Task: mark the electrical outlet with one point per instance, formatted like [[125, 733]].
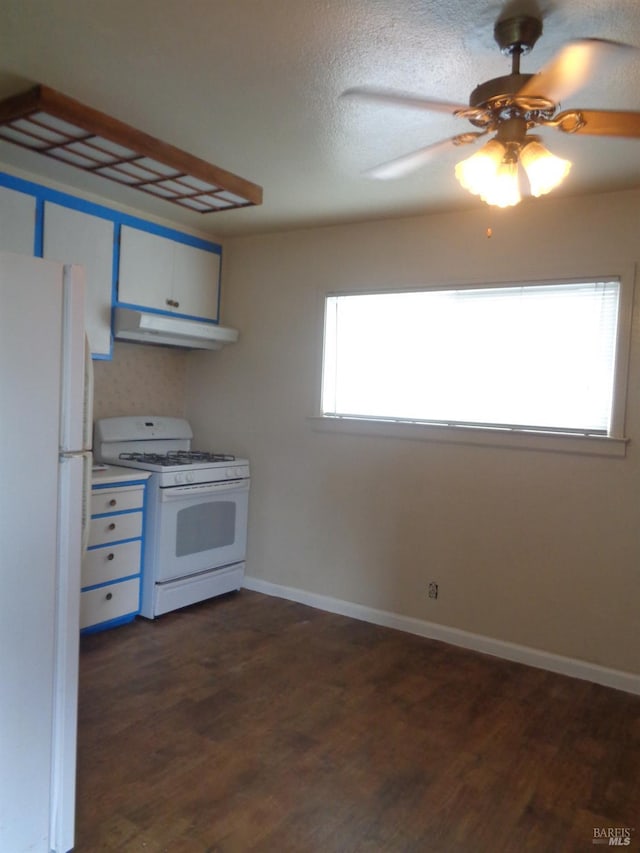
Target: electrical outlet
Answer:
[[433, 590]]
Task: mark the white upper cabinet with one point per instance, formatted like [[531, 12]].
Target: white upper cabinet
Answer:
[[196, 278], [17, 221], [75, 237], [166, 275], [145, 270]]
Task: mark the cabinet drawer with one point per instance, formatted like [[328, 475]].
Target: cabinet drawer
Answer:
[[116, 500], [109, 602], [113, 528], [109, 564]]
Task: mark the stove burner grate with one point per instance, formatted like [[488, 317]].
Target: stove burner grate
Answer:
[[177, 457]]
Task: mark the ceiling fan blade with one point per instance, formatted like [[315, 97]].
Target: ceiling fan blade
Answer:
[[599, 122], [403, 99], [407, 163], [572, 67]]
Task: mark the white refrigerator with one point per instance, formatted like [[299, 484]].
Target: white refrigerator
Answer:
[[45, 471]]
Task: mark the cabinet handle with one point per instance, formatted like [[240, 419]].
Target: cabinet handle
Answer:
[[109, 596], [111, 526], [111, 556], [113, 502], [172, 303]]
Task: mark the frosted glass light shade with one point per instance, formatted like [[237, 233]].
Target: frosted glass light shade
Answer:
[[478, 172], [504, 190], [544, 170]]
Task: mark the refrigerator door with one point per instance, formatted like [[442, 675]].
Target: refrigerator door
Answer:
[[66, 650], [76, 408], [39, 567], [87, 408]]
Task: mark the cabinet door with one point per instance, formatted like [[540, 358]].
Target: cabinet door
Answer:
[[109, 602], [167, 275], [115, 528], [17, 221], [75, 237], [146, 269], [102, 565], [105, 501], [196, 275]]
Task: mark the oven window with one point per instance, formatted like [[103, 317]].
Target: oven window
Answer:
[[204, 527]]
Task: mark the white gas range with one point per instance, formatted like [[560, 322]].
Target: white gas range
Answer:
[[196, 515]]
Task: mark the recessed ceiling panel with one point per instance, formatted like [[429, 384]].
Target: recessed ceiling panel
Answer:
[[45, 121]]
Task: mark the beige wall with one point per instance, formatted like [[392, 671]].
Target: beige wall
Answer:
[[531, 547], [140, 380]]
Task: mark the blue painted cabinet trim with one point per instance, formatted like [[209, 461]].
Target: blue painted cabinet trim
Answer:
[[43, 194]]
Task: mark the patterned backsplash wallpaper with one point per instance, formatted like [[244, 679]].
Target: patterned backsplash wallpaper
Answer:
[[140, 380]]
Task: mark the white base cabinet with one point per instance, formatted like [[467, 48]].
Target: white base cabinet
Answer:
[[112, 564]]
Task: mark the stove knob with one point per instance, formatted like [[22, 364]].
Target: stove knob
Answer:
[[177, 478], [189, 477]]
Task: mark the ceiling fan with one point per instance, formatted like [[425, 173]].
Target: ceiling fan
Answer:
[[510, 107]]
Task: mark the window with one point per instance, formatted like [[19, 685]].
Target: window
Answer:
[[529, 357]]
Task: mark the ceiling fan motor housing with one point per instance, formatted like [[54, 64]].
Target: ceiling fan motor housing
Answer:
[[497, 100], [500, 89], [517, 35]]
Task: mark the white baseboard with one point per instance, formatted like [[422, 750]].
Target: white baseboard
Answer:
[[619, 680]]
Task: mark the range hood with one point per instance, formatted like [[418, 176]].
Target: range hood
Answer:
[[144, 327]]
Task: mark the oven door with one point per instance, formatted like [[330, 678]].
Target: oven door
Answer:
[[200, 527]]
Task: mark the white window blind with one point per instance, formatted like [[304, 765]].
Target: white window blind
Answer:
[[534, 356]]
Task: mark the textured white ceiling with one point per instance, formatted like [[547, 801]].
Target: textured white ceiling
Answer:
[[253, 85]]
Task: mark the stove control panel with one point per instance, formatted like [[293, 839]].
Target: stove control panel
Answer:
[[206, 475], [237, 473]]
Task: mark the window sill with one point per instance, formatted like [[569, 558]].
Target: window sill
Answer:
[[591, 445]]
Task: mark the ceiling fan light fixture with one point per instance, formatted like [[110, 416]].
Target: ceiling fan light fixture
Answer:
[[544, 170], [492, 172], [512, 105], [478, 172]]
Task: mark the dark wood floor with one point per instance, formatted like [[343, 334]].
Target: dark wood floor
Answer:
[[249, 723]]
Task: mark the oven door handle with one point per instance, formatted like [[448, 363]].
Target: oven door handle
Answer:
[[201, 490]]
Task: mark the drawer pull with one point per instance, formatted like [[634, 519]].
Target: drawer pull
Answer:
[[111, 556], [109, 596], [111, 526], [113, 502]]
